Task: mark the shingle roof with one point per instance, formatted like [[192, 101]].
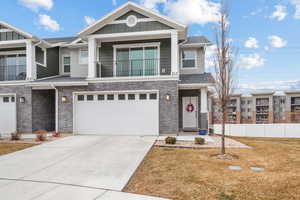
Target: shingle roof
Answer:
[[61, 79], [196, 78], [59, 40], [196, 40]]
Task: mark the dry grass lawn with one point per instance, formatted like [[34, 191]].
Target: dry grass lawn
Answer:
[[184, 174], [9, 148]]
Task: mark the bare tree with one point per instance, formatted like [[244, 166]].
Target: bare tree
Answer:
[[224, 67]]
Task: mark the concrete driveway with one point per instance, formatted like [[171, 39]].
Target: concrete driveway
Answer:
[[77, 167]]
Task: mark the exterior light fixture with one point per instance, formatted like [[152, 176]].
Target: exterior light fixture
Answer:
[[64, 99], [22, 99], [168, 97]]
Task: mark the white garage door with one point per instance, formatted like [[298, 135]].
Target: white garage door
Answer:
[[7, 114], [121, 113]]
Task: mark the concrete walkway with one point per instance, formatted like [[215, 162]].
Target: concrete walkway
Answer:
[[76, 167]]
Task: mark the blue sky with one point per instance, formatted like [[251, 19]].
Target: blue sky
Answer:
[[266, 32]]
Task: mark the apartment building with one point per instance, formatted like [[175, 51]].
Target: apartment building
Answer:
[[259, 108]]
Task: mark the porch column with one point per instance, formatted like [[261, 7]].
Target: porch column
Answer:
[[174, 53], [30, 61], [92, 58], [204, 100]]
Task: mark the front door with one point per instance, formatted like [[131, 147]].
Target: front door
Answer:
[[190, 113]]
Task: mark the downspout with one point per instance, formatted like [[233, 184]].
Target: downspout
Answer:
[[56, 108]]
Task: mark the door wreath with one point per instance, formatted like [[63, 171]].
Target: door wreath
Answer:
[[190, 108]]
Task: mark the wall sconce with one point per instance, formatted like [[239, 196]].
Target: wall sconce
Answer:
[[64, 99], [22, 99], [168, 97]]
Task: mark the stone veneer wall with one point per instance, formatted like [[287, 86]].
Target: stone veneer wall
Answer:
[[24, 110], [168, 110]]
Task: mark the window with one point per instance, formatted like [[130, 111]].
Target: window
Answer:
[[143, 96], [153, 96], [137, 60], [90, 97], [249, 101], [131, 96], [101, 97], [83, 57], [41, 56], [67, 64], [12, 99], [121, 96], [5, 99], [110, 97], [189, 58], [80, 97]]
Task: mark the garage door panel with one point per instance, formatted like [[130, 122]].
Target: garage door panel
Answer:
[[7, 114], [117, 117]]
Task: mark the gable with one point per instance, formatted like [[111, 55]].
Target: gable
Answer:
[[147, 20], [8, 34]]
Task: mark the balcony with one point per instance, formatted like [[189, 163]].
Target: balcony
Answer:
[[12, 72], [133, 68]]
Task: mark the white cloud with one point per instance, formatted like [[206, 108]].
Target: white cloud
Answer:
[[280, 13], [251, 43], [296, 3], [37, 4], [188, 11], [48, 23], [250, 61], [114, 2], [276, 41], [89, 20]]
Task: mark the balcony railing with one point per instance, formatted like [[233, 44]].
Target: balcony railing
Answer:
[[12, 72], [131, 68]]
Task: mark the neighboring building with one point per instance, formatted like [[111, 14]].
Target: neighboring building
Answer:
[[260, 108], [132, 72]]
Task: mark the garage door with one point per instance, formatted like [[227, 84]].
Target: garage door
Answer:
[[118, 113], [7, 114]]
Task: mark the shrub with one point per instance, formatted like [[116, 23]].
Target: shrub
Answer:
[[56, 134], [170, 140], [15, 136], [41, 132], [41, 137], [199, 140]]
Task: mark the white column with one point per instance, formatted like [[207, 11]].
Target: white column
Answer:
[[30, 61], [92, 58], [204, 100], [174, 53]]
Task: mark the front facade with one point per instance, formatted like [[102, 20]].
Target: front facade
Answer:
[[133, 72], [260, 108]]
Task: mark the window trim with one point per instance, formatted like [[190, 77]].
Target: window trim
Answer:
[[79, 56], [45, 58], [196, 55], [63, 65], [136, 45]]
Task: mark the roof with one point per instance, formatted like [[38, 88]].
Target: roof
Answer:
[[60, 40], [21, 32], [123, 10], [196, 40], [59, 81], [263, 93], [204, 78]]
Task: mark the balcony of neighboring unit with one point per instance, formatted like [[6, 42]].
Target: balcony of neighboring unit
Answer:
[[12, 67]]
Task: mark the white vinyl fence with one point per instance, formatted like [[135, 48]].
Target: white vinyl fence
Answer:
[[260, 130]]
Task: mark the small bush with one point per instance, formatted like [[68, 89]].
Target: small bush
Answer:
[[224, 196], [199, 140], [15, 136], [41, 132], [170, 140], [56, 134], [41, 137]]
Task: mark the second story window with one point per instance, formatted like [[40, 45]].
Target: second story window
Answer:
[[66, 64], [189, 58], [83, 56]]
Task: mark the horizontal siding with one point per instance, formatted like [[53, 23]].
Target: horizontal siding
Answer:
[[141, 26], [52, 68]]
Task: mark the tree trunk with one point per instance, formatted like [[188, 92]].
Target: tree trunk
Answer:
[[223, 134]]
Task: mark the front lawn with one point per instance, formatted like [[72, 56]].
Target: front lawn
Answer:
[[10, 147], [184, 174]]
